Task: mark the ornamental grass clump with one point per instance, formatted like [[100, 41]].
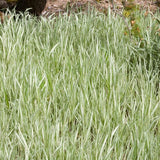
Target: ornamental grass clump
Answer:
[[68, 89]]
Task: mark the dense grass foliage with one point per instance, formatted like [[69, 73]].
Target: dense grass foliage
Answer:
[[77, 88]]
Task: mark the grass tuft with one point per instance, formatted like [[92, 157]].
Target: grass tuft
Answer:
[[77, 88]]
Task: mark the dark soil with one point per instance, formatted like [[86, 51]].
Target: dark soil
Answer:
[[37, 6], [57, 7]]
